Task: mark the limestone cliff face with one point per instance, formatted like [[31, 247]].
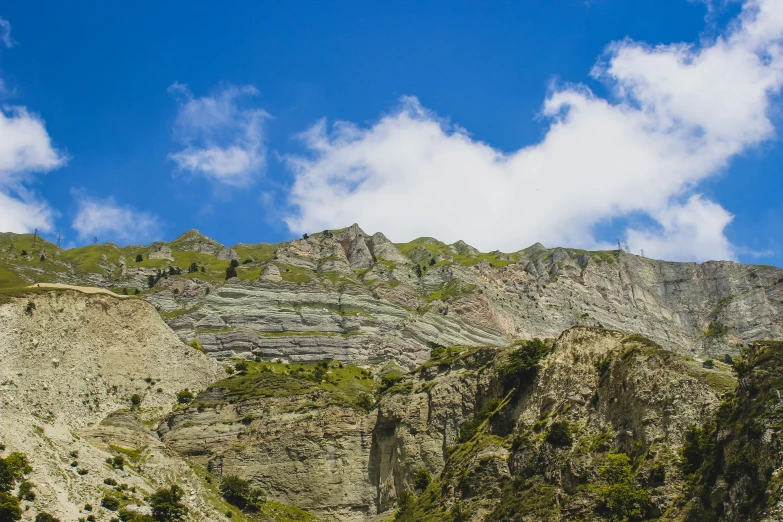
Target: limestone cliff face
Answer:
[[300, 449], [347, 295], [420, 418], [337, 299]]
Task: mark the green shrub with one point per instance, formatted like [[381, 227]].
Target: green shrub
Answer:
[[695, 449], [26, 491], [716, 329], [9, 507], [13, 468], [365, 401], [469, 428], [241, 367], [523, 364], [166, 505], [241, 493], [421, 479], [404, 502], [624, 502], [620, 499], [560, 434], [110, 502], [319, 372], [185, 396], [117, 462], [708, 364], [657, 474], [388, 380], [43, 516], [135, 401]]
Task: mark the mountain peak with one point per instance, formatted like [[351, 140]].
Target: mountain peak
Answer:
[[462, 248], [193, 235]]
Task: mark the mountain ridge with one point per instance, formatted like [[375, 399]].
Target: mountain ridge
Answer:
[[349, 296]]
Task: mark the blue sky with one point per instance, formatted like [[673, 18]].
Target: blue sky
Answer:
[[568, 122]]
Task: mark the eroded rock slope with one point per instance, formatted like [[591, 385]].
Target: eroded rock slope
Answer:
[[71, 364]]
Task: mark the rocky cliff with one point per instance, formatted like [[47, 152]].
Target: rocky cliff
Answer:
[[484, 425], [349, 296]]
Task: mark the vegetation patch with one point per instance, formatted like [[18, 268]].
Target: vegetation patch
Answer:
[[328, 382], [294, 274], [523, 363], [450, 291]]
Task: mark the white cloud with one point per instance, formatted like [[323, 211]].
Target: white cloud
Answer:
[[25, 145], [692, 231], [24, 215], [222, 141], [110, 221], [5, 33], [25, 148], [678, 115]]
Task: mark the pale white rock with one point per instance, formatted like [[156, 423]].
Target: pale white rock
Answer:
[[271, 273]]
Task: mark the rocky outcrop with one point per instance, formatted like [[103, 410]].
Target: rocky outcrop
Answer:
[[160, 252], [468, 419], [463, 249], [736, 459], [535, 444], [420, 418], [382, 248]]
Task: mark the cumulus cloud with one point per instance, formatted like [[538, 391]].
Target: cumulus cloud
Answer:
[[221, 140], [109, 220], [677, 115], [5, 33], [24, 214], [25, 149]]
